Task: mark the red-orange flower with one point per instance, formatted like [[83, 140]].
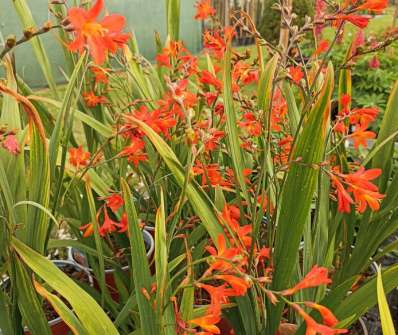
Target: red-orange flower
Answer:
[[313, 327], [374, 5], [101, 37], [113, 201], [108, 226], [78, 157], [361, 21], [322, 47], [224, 257], [365, 193], [87, 229], [251, 124], [327, 316], [344, 199], [316, 277], [135, 151], [93, 100], [204, 10], [208, 323], [208, 78], [100, 74], [296, 74], [361, 136], [363, 116], [218, 295], [238, 285]]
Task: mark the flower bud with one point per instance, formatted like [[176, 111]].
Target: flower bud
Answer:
[[11, 41], [47, 25], [28, 32]]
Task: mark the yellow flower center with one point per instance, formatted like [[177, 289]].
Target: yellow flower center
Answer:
[[93, 29]]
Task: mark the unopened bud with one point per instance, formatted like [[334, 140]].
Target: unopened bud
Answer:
[[28, 32], [11, 41], [65, 22], [190, 136], [47, 25]]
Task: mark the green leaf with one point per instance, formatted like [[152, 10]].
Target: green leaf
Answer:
[[62, 310], [385, 315], [173, 19], [5, 313], [97, 239], [293, 112], [29, 303], [235, 149], [99, 127], [86, 308], [141, 273], [360, 301], [164, 307], [14, 165], [25, 15], [196, 196], [298, 189], [60, 123], [383, 158]]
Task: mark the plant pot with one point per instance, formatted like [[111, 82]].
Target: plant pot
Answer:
[[80, 258], [57, 325]]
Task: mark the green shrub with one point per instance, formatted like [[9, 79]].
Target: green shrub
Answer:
[[270, 21]]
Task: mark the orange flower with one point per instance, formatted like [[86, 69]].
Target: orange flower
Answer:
[[359, 184], [250, 123], [344, 199], [361, 136], [316, 277], [208, 323], [322, 47], [215, 43], [135, 151], [101, 37], [365, 193], [313, 327], [204, 10], [208, 78], [218, 295], [327, 316], [100, 74], [88, 229], [113, 201], [223, 257], [374, 5], [93, 100], [78, 157], [123, 225], [296, 74], [363, 116], [239, 285], [108, 226], [361, 21]]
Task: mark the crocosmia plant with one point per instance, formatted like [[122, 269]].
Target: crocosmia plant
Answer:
[[235, 191]]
